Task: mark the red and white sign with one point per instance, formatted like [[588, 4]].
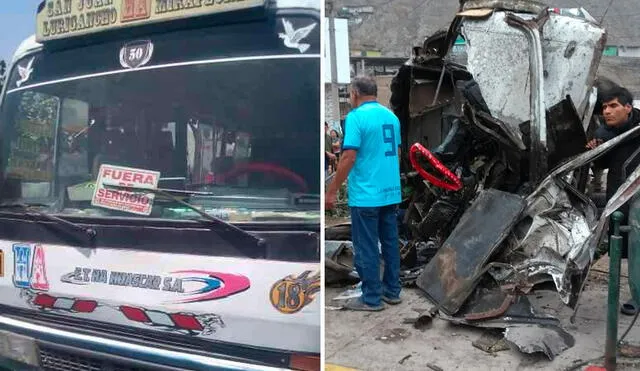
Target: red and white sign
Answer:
[[137, 202]]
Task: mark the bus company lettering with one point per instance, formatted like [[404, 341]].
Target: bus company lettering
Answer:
[[63, 7], [83, 276], [62, 20], [134, 10], [195, 285], [29, 267], [168, 6]]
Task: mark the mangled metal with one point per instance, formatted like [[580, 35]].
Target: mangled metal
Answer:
[[499, 60], [520, 312], [538, 130], [527, 6], [581, 258], [523, 105], [557, 221], [559, 218], [339, 267], [533, 339]]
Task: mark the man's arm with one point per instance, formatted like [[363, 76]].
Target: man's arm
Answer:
[[351, 145], [345, 165], [600, 136], [330, 155]]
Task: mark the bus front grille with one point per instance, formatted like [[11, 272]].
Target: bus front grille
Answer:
[[58, 360]]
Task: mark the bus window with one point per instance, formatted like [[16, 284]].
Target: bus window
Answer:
[[73, 139], [30, 159]]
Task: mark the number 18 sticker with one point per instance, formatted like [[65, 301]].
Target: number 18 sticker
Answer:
[[290, 294]]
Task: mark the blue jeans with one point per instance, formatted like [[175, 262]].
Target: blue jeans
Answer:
[[368, 226]]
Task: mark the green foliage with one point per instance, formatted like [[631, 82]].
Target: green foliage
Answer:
[[40, 108], [3, 73], [342, 209]]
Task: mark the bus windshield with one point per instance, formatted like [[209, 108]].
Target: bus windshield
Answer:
[[233, 134]]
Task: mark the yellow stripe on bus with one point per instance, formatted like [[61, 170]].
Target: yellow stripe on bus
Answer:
[[329, 367]]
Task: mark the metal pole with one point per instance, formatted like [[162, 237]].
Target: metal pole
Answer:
[[435, 97], [615, 253], [335, 99]]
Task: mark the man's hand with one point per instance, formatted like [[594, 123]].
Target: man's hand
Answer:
[[331, 156], [347, 160], [330, 199], [593, 143]]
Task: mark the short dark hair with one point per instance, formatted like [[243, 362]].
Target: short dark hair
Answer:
[[365, 85], [623, 95]]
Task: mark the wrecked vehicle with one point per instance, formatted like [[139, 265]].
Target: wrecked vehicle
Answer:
[[152, 215], [498, 204]]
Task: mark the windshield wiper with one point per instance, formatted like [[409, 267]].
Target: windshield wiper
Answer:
[[29, 210], [306, 199], [210, 218]]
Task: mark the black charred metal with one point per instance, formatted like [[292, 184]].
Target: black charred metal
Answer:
[[451, 275]]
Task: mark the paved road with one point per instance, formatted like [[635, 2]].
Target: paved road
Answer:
[[355, 339]]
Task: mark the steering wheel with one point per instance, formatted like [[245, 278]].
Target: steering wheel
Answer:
[[453, 183], [267, 168]]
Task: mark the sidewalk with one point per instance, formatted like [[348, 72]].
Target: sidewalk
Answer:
[[381, 341]]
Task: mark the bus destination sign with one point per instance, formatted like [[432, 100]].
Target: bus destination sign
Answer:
[[61, 19]]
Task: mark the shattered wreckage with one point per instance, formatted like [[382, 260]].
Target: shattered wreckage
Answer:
[[499, 204]]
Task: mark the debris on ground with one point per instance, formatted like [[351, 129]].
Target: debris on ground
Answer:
[[422, 322], [339, 263], [499, 206], [353, 292], [533, 339], [394, 335], [404, 359], [630, 351], [491, 341]]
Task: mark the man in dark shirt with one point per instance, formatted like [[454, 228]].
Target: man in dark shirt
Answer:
[[620, 117]]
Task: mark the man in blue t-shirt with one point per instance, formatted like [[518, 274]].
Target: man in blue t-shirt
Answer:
[[371, 159]]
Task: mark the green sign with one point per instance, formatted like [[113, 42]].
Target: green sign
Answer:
[[610, 51]]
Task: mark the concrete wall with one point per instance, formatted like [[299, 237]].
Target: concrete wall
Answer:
[[623, 71], [333, 112], [633, 52], [384, 89]]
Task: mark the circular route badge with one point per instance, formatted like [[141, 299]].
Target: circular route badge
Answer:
[[292, 293]]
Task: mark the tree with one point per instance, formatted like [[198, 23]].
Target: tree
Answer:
[[3, 72]]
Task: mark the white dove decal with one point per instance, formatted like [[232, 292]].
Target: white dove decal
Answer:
[[25, 72], [292, 38]]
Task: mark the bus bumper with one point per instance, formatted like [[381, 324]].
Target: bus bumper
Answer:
[[33, 346]]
